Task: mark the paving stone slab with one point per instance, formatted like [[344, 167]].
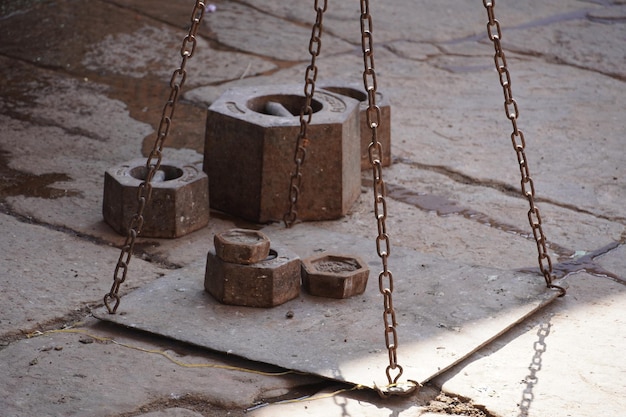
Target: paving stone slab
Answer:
[[446, 311], [131, 45], [448, 19], [289, 41], [575, 348], [485, 206], [594, 41], [46, 275], [125, 54], [465, 130], [86, 374], [255, 29]]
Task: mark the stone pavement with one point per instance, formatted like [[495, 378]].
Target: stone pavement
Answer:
[[82, 85]]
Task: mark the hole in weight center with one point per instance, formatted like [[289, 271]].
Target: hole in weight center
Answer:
[[290, 102], [165, 173]]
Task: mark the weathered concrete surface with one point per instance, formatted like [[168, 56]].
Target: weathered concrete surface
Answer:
[[86, 374], [49, 277], [582, 336], [82, 85]]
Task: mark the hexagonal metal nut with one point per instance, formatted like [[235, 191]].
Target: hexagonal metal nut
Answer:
[[242, 246], [249, 153], [179, 203], [268, 283], [356, 91], [334, 275]]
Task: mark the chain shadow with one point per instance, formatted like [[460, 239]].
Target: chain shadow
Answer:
[[534, 368]]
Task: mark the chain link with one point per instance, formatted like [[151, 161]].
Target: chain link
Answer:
[[306, 113], [144, 191], [519, 145], [375, 154]]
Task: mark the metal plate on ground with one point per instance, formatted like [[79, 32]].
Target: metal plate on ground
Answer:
[[445, 312]]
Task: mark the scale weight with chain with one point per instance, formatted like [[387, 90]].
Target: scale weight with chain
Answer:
[[437, 332]]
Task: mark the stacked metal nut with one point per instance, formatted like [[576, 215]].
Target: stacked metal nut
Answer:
[[245, 269]]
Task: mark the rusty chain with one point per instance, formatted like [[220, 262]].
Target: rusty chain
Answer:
[[153, 163], [306, 113], [519, 144], [375, 152]]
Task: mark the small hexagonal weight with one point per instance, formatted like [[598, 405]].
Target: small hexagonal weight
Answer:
[[250, 140], [268, 283], [334, 275], [242, 246], [179, 203], [356, 91]]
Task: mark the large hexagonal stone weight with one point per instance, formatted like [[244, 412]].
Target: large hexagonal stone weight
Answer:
[[179, 203], [250, 140]]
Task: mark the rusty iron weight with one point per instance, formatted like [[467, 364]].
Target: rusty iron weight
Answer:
[[242, 246], [334, 275], [238, 120], [268, 283], [179, 198], [519, 145], [112, 298]]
